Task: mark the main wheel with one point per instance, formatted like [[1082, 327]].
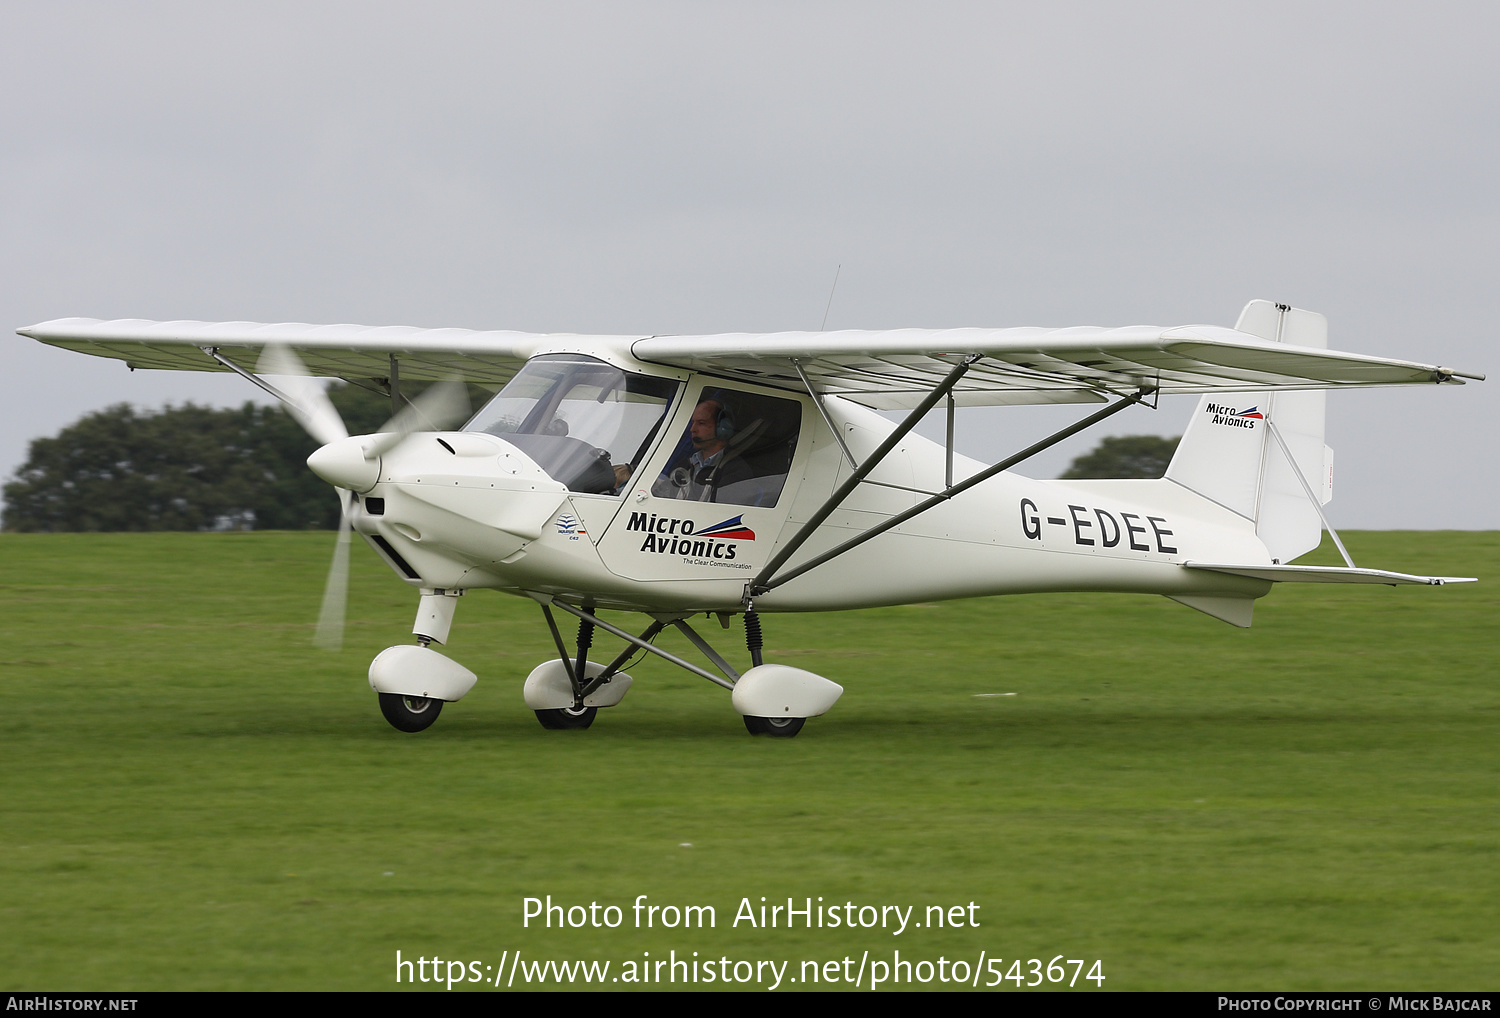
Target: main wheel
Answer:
[[567, 717], [409, 713], [781, 728]]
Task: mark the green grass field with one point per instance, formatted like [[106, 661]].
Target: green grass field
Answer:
[[194, 798]]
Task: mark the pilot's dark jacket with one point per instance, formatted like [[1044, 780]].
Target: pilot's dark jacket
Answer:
[[710, 480]]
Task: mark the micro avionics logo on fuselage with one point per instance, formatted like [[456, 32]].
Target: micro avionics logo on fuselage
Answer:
[[1232, 418], [666, 535]]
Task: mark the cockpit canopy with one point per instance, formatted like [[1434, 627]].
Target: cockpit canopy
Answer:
[[585, 422]]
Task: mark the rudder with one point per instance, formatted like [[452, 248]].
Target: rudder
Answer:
[[1229, 455]]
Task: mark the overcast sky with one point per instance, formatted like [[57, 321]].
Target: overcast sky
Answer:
[[705, 167]]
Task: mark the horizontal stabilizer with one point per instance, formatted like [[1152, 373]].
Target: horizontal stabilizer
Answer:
[[1325, 574]]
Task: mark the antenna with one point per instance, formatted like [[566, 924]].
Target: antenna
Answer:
[[834, 287]]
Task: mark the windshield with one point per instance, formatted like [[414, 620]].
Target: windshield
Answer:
[[586, 423]]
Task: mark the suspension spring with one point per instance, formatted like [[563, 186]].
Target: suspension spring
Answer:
[[580, 669], [752, 636]]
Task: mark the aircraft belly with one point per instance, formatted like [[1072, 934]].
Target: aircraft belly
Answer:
[[579, 575], [901, 568]]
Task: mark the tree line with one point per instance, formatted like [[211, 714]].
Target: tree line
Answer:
[[203, 468], [184, 468]]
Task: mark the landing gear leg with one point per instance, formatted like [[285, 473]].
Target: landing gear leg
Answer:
[[578, 715], [773, 699], [781, 728], [413, 682], [753, 641]]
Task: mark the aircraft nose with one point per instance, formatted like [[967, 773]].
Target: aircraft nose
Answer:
[[345, 464]]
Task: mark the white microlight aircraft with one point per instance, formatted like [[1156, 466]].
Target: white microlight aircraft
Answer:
[[740, 474]]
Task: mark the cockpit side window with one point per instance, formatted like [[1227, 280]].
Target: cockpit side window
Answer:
[[585, 422], [737, 450]]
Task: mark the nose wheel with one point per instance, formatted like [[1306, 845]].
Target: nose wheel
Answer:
[[409, 713]]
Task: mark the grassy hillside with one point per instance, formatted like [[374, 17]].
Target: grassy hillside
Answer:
[[194, 798]]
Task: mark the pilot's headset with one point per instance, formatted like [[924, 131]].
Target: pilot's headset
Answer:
[[724, 427]]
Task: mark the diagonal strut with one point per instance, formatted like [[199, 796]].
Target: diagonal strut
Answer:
[[763, 582]]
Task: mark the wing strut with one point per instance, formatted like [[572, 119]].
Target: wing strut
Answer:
[[282, 397], [758, 585], [948, 451], [765, 580]]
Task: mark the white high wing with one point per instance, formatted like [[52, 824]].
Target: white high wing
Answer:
[[742, 474]]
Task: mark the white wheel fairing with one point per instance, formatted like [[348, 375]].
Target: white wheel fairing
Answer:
[[547, 687], [420, 672], [781, 691]]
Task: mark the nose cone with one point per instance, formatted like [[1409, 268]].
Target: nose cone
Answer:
[[344, 464]]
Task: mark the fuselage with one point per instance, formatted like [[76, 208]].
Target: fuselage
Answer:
[[584, 481]]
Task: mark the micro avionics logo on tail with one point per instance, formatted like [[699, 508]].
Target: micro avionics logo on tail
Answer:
[[665, 535], [1232, 418]]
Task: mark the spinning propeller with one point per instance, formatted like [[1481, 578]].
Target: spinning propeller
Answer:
[[352, 463]]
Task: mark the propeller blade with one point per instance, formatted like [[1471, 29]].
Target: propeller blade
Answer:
[[308, 403], [330, 634], [440, 407]]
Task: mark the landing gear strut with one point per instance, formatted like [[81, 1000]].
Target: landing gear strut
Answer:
[[567, 692], [781, 728], [773, 699], [579, 715]]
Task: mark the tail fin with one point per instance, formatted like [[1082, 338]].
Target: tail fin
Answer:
[[1228, 454]]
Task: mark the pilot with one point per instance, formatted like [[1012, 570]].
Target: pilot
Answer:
[[712, 465]]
